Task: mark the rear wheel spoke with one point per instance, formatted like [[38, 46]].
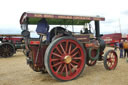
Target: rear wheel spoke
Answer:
[[62, 48], [70, 69], [75, 62], [58, 68], [55, 60], [73, 50], [66, 68], [55, 54], [77, 58], [57, 64], [75, 54], [62, 70], [66, 46], [70, 47], [59, 50], [72, 65]]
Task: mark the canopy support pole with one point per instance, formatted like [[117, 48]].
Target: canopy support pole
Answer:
[[97, 29]]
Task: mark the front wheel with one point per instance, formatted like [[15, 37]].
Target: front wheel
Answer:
[[65, 58], [110, 60]]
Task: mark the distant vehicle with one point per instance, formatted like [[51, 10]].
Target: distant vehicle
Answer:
[[111, 39], [9, 43], [125, 37], [63, 53]]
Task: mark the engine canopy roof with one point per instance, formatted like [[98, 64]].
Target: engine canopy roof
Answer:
[[54, 19]]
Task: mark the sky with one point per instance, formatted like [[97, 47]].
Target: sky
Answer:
[[114, 11]]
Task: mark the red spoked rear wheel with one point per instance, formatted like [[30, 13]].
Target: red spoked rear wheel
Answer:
[[110, 60], [65, 58]]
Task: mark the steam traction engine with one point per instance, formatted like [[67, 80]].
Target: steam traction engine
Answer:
[[9, 43], [63, 54]]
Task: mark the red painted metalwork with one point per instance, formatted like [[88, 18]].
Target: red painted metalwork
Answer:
[[112, 38], [34, 42], [40, 60], [12, 37], [89, 45], [94, 52], [67, 70], [82, 38], [14, 40]]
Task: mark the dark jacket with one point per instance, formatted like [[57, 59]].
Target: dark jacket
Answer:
[[121, 45]]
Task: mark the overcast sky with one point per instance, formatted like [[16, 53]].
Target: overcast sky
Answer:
[[114, 11]]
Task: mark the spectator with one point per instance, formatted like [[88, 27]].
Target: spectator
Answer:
[[125, 46], [116, 45], [121, 48]]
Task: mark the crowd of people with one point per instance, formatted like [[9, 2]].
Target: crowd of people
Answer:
[[123, 47]]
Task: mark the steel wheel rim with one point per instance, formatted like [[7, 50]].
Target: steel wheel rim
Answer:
[[69, 68], [111, 60]]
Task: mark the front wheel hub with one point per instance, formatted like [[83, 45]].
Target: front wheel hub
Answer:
[[67, 59]]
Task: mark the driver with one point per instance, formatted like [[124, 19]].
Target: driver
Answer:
[[85, 29]]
